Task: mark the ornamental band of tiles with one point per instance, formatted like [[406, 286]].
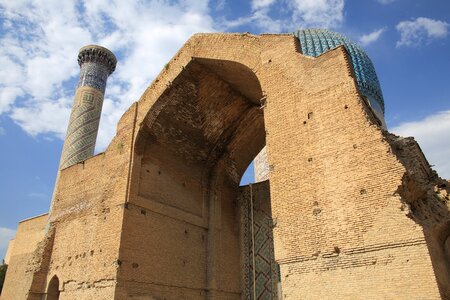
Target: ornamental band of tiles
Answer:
[[96, 64]]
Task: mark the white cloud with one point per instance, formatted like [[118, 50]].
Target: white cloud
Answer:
[[386, 1], [220, 5], [369, 38], [433, 135], [259, 18], [44, 116], [6, 234], [320, 13], [42, 38], [38, 195], [300, 13], [421, 30], [8, 94], [258, 4]]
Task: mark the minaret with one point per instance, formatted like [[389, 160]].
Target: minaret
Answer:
[[96, 64]]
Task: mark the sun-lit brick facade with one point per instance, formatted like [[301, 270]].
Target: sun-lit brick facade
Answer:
[[354, 212]]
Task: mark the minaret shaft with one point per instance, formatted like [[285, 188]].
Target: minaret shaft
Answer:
[[96, 64]]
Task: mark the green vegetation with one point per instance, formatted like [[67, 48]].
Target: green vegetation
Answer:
[[3, 269], [120, 147]]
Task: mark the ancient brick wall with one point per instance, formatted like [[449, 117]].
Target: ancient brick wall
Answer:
[[335, 193], [261, 166], [426, 200], [341, 231], [156, 215], [81, 242], [9, 251], [18, 279], [87, 220], [181, 152]]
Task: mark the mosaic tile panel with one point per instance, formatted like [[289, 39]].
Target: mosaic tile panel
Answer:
[[256, 232], [93, 75]]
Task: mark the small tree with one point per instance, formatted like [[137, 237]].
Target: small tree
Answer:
[[3, 269]]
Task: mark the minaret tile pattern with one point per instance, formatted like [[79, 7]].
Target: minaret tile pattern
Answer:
[[96, 64]]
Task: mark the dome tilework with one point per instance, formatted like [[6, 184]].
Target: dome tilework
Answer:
[[314, 42]]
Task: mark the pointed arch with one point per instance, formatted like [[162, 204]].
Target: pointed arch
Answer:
[[53, 289]]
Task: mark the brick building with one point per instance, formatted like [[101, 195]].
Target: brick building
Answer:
[[350, 211]]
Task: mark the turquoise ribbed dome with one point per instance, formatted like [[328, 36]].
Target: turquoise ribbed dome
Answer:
[[314, 42]]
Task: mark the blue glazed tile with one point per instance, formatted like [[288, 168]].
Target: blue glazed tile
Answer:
[[314, 42]]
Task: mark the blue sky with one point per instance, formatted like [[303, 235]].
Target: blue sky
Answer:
[[408, 41]]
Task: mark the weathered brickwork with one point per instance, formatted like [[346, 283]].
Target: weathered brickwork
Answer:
[[261, 166], [9, 251], [357, 213], [29, 233]]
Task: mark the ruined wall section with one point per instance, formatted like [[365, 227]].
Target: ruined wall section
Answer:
[[9, 251], [334, 182], [341, 204], [84, 193], [338, 216], [426, 200], [261, 166], [236, 47], [18, 279], [188, 115], [80, 242], [87, 219]]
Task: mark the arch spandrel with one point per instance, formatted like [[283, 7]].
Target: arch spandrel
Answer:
[[243, 49], [202, 116], [270, 58], [265, 63], [264, 60]]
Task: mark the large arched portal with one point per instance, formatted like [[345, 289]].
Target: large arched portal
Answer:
[[191, 152], [334, 179], [352, 209]]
